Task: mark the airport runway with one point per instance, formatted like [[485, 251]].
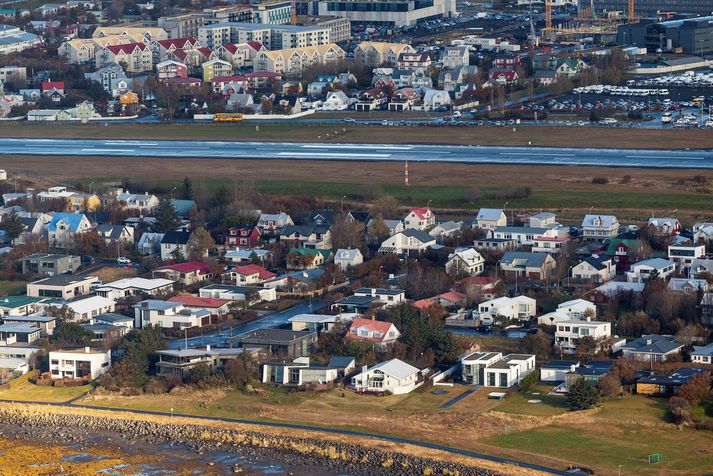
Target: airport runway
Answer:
[[358, 152]]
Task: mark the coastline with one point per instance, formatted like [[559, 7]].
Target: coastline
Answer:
[[305, 453]]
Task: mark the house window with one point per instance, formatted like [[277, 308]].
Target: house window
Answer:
[[503, 380]]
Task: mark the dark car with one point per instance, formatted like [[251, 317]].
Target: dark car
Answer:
[[86, 259]]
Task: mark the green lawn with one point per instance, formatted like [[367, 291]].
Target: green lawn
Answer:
[[10, 288], [22, 389], [519, 404]]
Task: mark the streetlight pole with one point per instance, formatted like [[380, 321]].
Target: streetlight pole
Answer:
[[173, 190], [341, 203]]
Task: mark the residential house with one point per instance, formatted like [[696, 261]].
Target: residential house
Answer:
[[240, 255], [171, 69], [537, 266], [187, 274], [473, 366], [393, 376], [283, 342], [244, 236], [19, 305], [503, 77], [645, 270], [408, 241], [624, 252], [371, 54], [706, 307], [179, 362], [174, 245], [569, 332], [413, 60], [46, 324], [86, 364], [465, 261], [18, 333], [666, 385], [420, 219], [521, 235], [150, 243], [700, 266], [548, 244], [455, 56], [370, 100], [607, 293], [595, 268], [241, 293], [215, 68], [446, 229], [307, 236], [63, 286], [307, 258], [141, 203], [599, 227], [665, 226], [116, 320], [83, 310], [702, 233], [685, 255], [519, 308], [50, 264], [688, 286], [337, 101], [652, 348], [556, 371], [380, 332], [65, 227], [168, 315], [127, 287], [295, 60], [434, 99], [299, 372], [248, 274], [545, 77], [509, 371], [405, 99], [133, 57], [318, 322], [116, 234], [348, 258], [702, 354], [489, 218], [570, 310]]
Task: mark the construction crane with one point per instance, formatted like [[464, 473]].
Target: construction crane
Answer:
[[293, 17], [631, 15], [548, 17]]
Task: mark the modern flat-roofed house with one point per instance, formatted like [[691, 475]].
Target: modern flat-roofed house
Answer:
[[114, 319], [474, 364], [393, 376], [217, 307], [509, 371], [46, 324], [557, 370], [165, 314], [18, 333], [300, 372], [285, 342], [569, 332], [599, 227], [50, 264], [128, 287], [63, 286], [179, 362], [83, 363], [685, 255], [522, 235], [390, 297], [652, 348], [642, 271], [318, 322], [18, 305], [517, 308]]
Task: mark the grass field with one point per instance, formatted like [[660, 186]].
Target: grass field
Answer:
[[623, 431], [22, 389], [300, 132], [9, 288]]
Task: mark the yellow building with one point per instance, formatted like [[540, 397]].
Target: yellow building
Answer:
[[129, 98], [216, 68], [84, 202]]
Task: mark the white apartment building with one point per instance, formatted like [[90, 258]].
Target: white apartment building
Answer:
[[569, 332], [79, 364], [684, 255]]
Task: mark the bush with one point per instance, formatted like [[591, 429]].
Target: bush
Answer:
[[635, 115], [583, 395], [594, 117], [626, 179], [156, 386], [528, 382], [600, 180]]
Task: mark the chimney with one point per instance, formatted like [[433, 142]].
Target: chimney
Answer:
[[87, 350], [207, 348], [373, 292], [649, 341]]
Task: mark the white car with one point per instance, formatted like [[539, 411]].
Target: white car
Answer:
[[123, 260]]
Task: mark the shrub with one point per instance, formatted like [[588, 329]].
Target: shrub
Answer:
[[635, 115], [600, 180], [626, 179], [583, 395], [528, 382]]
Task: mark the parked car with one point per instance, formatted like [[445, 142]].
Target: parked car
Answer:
[[123, 260]]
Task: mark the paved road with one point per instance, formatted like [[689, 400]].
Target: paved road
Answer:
[[222, 338], [359, 152]]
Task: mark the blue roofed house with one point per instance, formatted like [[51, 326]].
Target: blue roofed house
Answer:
[[642, 271], [64, 227], [489, 218], [702, 354], [183, 207], [652, 348]]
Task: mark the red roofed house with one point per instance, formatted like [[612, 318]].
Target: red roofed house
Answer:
[[481, 286], [243, 236], [240, 54], [503, 77], [420, 219], [217, 307], [170, 69], [261, 79], [53, 90], [133, 57], [380, 332], [229, 84], [422, 304], [248, 274], [165, 47], [188, 273], [451, 299]]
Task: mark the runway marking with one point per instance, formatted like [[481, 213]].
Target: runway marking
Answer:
[[108, 150], [677, 157], [334, 155], [128, 142], [533, 153], [370, 147]]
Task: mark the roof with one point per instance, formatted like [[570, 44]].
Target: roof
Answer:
[[13, 302], [422, 213], [19, 328], [187, 267], [140, 283], [653, 344], [195, 301], [71, 219], [313, 318], [18, 319], [372, 325], [176, 238], [656, 263], [274, 335], [597, 261], [489, 214], [127, 48], [395, 368], [606, 221], [614, 287], [703, 350], [534, 260], [347, 254], [421, 236], [63, 280], [157, 304], [251, 269], [560, 364], [453, 296], [89, 304], [112, 317]]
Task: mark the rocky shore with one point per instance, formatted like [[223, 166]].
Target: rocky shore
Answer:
[[320, 456]]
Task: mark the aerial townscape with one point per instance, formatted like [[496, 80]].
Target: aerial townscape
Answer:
[[356, 237]]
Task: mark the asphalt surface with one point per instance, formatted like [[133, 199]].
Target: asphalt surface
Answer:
[[358, 152]]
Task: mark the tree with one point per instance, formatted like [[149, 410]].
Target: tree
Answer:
[[166, 217], [70, 333], [12, 225], [583, 395], [586, 348], [199, 243], [609, 385], [186, 190], [377, 230], [198, 374], [347, 233], [387, 206], [241, 370], [625, 369], [538, 344], [697, 389]]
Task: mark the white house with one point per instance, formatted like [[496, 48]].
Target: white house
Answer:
[[542, 220], [408, 241], [168, 314], [643, 270], [88, 308], [522, 235], [273, 223], [390, 297], [420, 219], [345, 258], [141, 202], [474, 364], [127, 287], [684, 255], [465, 261], [336, 101], [489, 218], [64, 227], [596, 268], [652, 348], [379, 332], [702, 354], [79, 364], [509, 371], [576, 309], [569, 332], [557, 370], [394, 376], [174, 244], [702, 232], [599, 227], [520, 308]]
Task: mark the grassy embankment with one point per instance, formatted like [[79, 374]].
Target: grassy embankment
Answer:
[[22, 389]]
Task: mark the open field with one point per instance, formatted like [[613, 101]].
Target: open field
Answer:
[[22, 389], [565, 190], [623, 431], [9, 288], [617, 137]]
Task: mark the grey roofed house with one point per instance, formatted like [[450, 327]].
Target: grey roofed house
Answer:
[[280, 341], [150, 243], [534, 260], [112, 318], [341, 362], [396, 368], [421, 236], [489, 214], [652, 344], [604, 221], [110, 232]]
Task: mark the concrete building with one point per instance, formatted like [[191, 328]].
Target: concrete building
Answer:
[[63, 286], [79, 364], [273, 37], [290, 343], [49, 264], [569, 332], [164, 314], [182, 26], [389, 12]]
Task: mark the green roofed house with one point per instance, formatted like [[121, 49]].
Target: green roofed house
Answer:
[[624, 252], [183, 207], [569, 67], [19, 305], [307, 258]]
